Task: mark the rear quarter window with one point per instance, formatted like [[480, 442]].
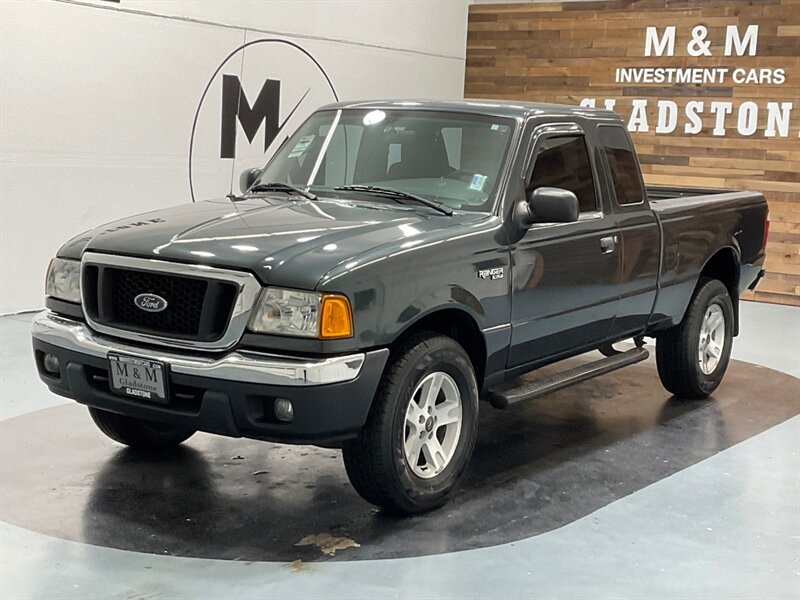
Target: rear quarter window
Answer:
[[625, 173]]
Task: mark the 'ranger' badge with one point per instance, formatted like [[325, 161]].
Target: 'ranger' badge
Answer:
[[493, 273]]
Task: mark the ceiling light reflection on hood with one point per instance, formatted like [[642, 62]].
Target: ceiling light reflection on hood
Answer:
[[408, 230]]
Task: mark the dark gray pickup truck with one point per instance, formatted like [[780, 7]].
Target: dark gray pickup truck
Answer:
[[392, 265]]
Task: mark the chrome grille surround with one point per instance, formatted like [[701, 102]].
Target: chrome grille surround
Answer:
[[248, 289]]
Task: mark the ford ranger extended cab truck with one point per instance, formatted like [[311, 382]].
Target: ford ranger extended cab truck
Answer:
[[392, 265]]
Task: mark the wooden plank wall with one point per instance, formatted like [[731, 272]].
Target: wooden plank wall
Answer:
[[566, 52]]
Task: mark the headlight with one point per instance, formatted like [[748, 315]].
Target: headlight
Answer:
[[64, 280], [304, 314]]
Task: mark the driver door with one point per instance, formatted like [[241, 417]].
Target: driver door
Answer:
[[565, 275]]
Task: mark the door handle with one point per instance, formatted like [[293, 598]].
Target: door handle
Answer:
[[608, 244]]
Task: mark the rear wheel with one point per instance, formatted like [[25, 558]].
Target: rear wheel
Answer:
[[139, 433], [692, 356], [421, 431]]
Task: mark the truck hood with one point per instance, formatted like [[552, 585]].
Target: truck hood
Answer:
[[285, 242]]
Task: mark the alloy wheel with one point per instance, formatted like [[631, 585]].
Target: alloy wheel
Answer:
[[432, 425]]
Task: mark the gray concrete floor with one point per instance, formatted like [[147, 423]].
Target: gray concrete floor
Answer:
[[726, 527]]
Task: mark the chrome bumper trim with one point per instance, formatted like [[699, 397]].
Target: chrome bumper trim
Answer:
[[249, 367]]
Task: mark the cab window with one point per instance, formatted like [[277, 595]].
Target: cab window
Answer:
[[563, 162]]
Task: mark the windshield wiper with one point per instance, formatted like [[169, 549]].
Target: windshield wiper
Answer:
[[277, 186], [388, 192]]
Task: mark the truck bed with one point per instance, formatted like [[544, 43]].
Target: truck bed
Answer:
[[673, 201], [669, 192], [694, 221]]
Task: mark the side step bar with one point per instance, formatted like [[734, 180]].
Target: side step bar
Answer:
[[509, 393]]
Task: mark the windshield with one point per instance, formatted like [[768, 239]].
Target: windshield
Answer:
[[451, 158]]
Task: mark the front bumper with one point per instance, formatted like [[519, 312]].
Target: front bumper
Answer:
[[232, 395]]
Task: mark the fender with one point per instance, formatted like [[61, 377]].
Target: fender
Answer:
[[459, 322]]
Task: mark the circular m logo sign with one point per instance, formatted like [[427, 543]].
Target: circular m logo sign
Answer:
[[261, 91]]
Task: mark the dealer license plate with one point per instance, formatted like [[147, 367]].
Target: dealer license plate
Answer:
[[138, 377]]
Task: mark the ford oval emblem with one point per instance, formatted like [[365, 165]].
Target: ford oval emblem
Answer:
[[150, 302]]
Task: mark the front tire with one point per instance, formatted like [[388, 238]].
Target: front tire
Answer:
[[692, 356], [421, 430], [139, 433]]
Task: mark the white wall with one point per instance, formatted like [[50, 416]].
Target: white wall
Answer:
[[97, 100]]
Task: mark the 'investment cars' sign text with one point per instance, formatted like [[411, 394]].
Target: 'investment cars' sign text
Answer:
[[771, 117]]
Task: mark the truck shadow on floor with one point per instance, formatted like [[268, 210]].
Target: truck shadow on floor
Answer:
[[537, 466]]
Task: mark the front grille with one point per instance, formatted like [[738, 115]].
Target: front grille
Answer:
[[197, 308], [184, 297]]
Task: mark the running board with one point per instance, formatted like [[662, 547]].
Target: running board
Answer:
[[508, 393]]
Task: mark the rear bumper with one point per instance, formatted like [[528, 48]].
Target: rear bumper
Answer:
[[232, 395]]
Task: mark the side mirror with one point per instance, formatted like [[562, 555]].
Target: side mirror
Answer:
[[549, 205], [248, 178]]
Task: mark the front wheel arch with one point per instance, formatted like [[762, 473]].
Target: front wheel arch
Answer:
[[375, 461], [455, 323]]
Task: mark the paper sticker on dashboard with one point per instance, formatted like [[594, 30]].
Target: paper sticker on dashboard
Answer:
[[478, 182], [301, 146]]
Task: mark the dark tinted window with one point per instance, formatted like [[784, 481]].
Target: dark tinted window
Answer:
[[563, 162], [622, 162]]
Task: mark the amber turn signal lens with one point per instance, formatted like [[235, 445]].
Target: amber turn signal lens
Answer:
[[336, 320]]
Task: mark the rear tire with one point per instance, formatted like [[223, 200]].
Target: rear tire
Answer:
[[421, 430], [139, 433], [692, 356]]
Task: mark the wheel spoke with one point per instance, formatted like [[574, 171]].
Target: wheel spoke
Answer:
[[413, 414], [714, 349], [413, 445], [434, 453], [430, 391], [447, 412], [412, 423], [714, 321]]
